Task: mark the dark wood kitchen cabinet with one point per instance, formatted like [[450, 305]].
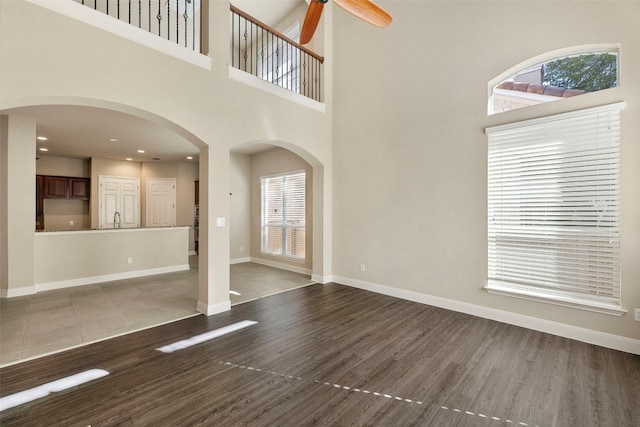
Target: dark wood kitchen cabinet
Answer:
[[39, 202], [55, 187], [79, 188], [65, 187]]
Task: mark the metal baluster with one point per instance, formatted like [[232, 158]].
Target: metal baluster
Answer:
[[244, 55], [139, 13], [168, 20], [159, 18], [233, 39], [149, 17], [186, 16]]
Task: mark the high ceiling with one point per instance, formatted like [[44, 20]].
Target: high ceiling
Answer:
[[84, 132]]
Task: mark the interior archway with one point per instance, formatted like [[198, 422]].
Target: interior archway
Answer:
[[277, 157]]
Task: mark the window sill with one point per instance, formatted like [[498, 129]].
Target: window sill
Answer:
[[284, 258], [499, 288]]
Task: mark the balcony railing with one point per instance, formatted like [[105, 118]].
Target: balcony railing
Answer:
[[179, 21], [256, 48], [270, 55]]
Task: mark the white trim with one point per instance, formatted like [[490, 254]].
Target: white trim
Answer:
[[240, 260], [616, 106], [108, 230], [589, 336], [211, 309], [495, 287], [550, 56], [319, 278], [17, 292], [191, 253], [39, 287], [281, 265], [258, 83], [122, 29]]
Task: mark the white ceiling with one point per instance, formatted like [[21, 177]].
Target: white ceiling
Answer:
[[84, 132]]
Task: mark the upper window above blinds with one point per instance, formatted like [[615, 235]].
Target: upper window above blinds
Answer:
[[554, 208], [555, 76]]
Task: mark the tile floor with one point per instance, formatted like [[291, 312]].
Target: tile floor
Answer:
[[51, 321]]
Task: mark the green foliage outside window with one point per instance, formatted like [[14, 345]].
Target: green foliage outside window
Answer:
[[587, 72]]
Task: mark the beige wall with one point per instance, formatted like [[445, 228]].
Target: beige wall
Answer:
[[410, 153], [80, 257], [206, 106], [273, 162], [63, 166], [240, 214]]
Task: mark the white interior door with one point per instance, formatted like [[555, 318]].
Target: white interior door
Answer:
[[121, 195], [161, 202]]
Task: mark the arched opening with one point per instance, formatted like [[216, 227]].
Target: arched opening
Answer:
[[143, 284], [278, 164]]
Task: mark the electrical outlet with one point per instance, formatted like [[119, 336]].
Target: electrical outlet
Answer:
[[71, 222], [636, 314], [130, 260], [362, 268], [241, 248]]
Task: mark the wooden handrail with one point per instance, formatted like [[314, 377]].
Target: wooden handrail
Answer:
[[277, 33]]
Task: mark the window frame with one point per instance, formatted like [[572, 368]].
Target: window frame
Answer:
[[515, 219], [540, 60], [284, 223]]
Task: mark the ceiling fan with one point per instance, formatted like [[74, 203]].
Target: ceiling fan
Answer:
[[363, 9]]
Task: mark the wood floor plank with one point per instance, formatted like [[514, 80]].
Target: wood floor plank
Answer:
[[333, 355]]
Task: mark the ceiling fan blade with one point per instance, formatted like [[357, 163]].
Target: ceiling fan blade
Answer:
[[367, 11], [311, 20]]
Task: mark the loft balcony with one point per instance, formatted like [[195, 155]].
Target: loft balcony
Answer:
[[255, 48]]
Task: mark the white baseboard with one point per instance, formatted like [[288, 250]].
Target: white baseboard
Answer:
[[17, 292], [318, 278], [211, 309], [589, 336], [108, 277], [281, 265], [191, 253], [240, 260]]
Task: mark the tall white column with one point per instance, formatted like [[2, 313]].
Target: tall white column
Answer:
[[17, 205], [213, 257]]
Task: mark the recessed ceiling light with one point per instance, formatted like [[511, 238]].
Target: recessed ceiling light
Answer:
[[114, 139], [141, 151], [128, 159], [42, 138], [189, 158], [44, 149]]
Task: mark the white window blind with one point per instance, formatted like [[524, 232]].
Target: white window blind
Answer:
[[554, 208], [283, 215]]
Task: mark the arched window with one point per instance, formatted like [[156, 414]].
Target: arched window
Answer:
[[554, 76]]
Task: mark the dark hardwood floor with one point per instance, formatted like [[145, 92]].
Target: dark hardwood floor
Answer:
[[332, 356]]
